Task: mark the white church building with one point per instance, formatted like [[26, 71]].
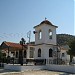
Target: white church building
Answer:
[[43, 54], [45, 49], [45, 46], [45, 42]]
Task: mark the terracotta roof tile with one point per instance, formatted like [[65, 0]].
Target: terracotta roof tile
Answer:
[[46, 22], [14, 45]]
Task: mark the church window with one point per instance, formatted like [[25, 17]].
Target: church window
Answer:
[[50, 52], [40, 34], [39, 52], [31, 52], [50, 34], [16, 54], [63, 54], [13, 53], [24, 53]]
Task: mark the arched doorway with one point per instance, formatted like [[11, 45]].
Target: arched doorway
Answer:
[[39, 52], [50, 52]]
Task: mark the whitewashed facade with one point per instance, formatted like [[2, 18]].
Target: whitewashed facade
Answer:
[[45, 40], [63, 54], [45, 46]]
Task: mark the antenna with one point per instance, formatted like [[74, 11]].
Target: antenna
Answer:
[[29, 35]]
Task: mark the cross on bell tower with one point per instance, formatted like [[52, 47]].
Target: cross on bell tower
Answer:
[[45, 18]]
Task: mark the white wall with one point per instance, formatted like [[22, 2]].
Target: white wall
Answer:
[[64, 68], [28, 51], [10, 54], [36, 52], [45, 34], [12, 67], [44, 51], [45, 43], [23, 68], [73, 60], [66, 56]]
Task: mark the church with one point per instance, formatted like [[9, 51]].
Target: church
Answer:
[[43, 51], [45, 42]]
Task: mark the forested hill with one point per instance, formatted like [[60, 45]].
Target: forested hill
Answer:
[[63, 39]]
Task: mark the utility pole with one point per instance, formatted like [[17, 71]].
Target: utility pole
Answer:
[[29, 36]]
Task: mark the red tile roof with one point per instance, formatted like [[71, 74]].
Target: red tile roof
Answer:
[[14, 45], [46, 22]]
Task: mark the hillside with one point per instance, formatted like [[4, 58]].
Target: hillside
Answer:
[[63, 39]]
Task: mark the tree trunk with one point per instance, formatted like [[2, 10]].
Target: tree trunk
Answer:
[[71, 57]]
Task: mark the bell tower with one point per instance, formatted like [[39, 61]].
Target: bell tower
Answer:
[[45, 42], [45, 33]]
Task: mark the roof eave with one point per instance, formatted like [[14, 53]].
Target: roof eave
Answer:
[[47, 24]]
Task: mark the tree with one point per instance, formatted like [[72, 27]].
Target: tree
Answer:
[[63, 39], [22, 42], [2, 57], [71, 51]]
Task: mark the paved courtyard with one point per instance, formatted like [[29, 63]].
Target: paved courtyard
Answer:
[[40, 72]]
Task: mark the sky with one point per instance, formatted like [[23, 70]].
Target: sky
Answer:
[[18, 17]]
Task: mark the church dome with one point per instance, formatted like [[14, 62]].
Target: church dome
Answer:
[[46, 22]]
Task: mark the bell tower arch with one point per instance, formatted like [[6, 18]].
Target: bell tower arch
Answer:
[[45, 32]]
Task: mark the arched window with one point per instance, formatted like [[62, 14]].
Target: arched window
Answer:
[[63, 54], [50, 52], [39, 52], [24, 53], [16, 54], [31, 52], [50, 34], [40, 34]]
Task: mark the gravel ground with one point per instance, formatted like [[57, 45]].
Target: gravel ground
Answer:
[[40, 72]]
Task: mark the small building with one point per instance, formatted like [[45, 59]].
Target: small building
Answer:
[[63, 54]]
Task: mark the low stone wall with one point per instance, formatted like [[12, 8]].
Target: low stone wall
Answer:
[[12, 67], [64, 68], [23, 68]]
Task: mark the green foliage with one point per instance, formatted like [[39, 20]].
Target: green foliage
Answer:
[[2, 57], [72, 48], [22, 42], [71, 51], [0, 54], [63, 39]]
